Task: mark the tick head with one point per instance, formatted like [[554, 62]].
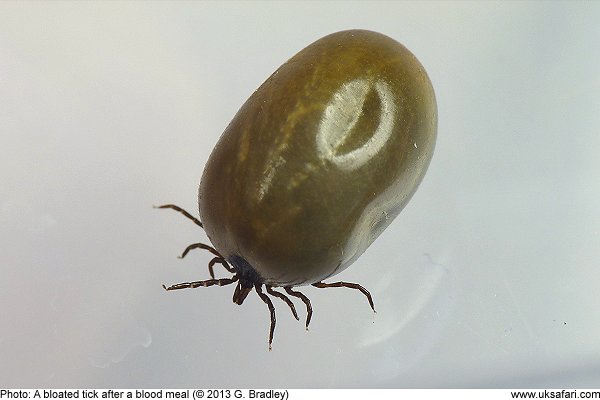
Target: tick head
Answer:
[[241, 291], [248, 277]]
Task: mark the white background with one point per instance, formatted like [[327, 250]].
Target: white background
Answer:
[[489, 278]]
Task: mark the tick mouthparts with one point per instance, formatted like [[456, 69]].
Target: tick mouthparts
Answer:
[[240, 293]]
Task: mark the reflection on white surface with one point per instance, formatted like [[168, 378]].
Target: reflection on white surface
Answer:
[[341, 115], [129, 341], [390, 324]]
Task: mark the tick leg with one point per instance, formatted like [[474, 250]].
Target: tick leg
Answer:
[[305, 300], [284, 298], [206, 283], [269, 303], [201, 246], [181, 210], [348, 285], [221, 261]]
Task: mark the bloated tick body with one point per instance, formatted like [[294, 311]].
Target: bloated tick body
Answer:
[[315, 165]]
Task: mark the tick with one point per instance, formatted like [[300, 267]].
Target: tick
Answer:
[[314, 166]]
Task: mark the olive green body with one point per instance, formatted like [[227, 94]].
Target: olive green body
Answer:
[[320, 159]]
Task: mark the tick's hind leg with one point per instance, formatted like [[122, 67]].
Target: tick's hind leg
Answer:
[[181, 210], [269, 304], [284, 298], [304, 299], [348, 285]]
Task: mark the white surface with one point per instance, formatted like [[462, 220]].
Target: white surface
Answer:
[[489, 278]]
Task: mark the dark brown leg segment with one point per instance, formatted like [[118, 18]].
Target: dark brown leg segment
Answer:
[[269, 304], [284, 298], [201, 246], [181, 210], [348, 285], [206, 283], [304, 299], [221, 261]]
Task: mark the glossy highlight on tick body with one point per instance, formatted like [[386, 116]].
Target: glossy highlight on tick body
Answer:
[[314, 166]]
